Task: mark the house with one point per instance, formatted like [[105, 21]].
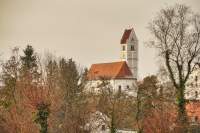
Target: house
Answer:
[[122, 75], [193, 111], [192, 91]]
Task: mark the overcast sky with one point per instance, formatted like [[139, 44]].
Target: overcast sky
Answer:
[[89, 31]]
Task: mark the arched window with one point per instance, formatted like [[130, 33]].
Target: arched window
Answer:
[[123, 47], [132, 48], [127, 87], [196, 80], [119, 88]]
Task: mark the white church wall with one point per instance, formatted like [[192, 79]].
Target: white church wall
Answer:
[[126, 85], [92, 86]]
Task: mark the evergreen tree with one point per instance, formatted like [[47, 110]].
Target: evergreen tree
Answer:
[[29, 60], [74, 99], [42, 116], [69, 77], [29, 63]]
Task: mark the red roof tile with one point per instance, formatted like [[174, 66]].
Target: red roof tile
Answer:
[[126, 35], [113, 70]]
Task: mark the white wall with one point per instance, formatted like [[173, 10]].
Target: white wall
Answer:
[[92, 86]]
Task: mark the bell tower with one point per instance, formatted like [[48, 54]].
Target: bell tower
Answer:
[[129, 50]]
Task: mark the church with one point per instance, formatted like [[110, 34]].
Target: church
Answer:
[[121, 75]]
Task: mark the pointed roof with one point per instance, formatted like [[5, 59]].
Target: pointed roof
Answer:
[[126, 36], [113, 70]]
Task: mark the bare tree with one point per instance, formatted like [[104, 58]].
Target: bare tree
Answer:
[[176, 31], [155, 110], [117, 105]]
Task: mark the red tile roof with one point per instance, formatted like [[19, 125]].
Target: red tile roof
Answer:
[[113, 70], [126, 35]]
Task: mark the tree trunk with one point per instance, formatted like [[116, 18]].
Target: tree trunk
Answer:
[[182, 114]]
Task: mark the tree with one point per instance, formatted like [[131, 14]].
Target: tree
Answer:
[[45, 99], [13, 98], [115, 104], [38, 99], [155, 110], [146, 95], [160, 119], [29, 60], [29, 64], [9, 77], [42, 116], [71, 84], [176, 32]]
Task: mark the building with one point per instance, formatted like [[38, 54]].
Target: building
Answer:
[[192, 94], [192, 91], [193, 111], [121, 75], [129, 50]]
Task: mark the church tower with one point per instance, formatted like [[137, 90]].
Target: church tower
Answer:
[[129, 50]]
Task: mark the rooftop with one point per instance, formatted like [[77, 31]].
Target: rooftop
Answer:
[[126, 35], [112, 70]]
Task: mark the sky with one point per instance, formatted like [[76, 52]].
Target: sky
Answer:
[[89, 31]]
